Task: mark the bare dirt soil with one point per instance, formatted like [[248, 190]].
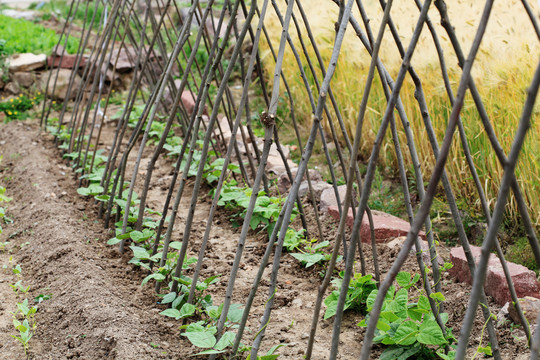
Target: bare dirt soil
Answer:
[[98, 309]]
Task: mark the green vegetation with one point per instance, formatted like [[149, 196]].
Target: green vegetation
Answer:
[[501, 83], [520, 252], [23, 321], [22, 36], [313, 251], [60, 8], [17, 108], [357, 293], [408, 327]]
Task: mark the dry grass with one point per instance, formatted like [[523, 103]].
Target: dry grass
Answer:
[[502, 71]]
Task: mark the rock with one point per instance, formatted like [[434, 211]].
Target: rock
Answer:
[[58, 50], [26, 62], [502, 316], [530, 307], [12, 88], [127, 59], [524, 280], [284, 183], [62, 84], [385, 226], [65, 62], [397, 243], [19, 14], [328, 197], [188, 99], [274, 150], [318, 188], [333, 211], [275, 164], [24, 79]]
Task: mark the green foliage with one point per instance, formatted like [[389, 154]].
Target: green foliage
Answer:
[[3, 217], [17, 108], [520, 253], [385, 198], [408, 327], [23, 321], [22, 36], [4, 67], [61, 9], [357, 293], [266, 209], [312, 253]]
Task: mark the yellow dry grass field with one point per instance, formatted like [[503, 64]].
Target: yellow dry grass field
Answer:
[[503, 69]]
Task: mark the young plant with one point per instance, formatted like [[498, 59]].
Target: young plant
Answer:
[[359, 289], [23, 321], [313, 253], [409, 328]]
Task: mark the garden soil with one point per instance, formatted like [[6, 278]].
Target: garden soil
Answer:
[[98, 308]]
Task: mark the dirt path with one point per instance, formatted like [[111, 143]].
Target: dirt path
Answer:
[[97, 308]]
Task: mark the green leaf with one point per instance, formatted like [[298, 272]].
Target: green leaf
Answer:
[[423, 303], [309, 259], [321, 245], [17, 269], [406, 333], [267, 357], [389, 316], [212, 279], [437, 296], [140, 252], [176, 303], [113, 241], [103, 198], [331, 302], [235, 313], [485, 350], [156, 276], [175, 245], [187, 310], [383, 325], [403, 278], [210, 351], [451, 355], [203, 339], [431, 333], [226, 340], [274, 348], [171, 313], [169, 298]]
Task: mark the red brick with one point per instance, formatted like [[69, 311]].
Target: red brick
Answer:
[[66, 62], [524, 280], [386, 226]]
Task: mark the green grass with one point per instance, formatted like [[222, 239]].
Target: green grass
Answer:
[[61, 8], [520, 252], [22, 36], [501, 78]]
